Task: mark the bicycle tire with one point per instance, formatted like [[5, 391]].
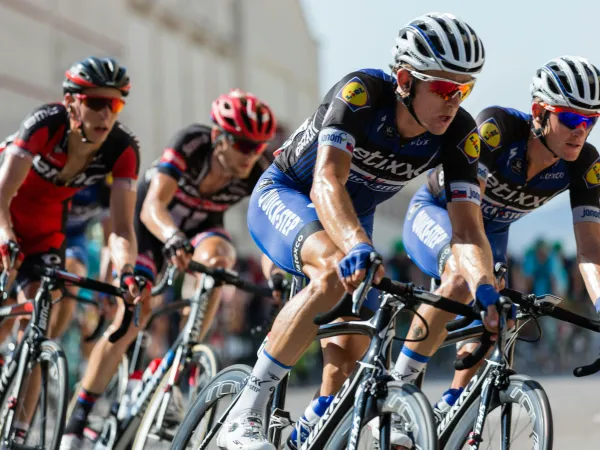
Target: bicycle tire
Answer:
[[520, 387], [228, 382], [49, 352], [402, 398], [209, 361]]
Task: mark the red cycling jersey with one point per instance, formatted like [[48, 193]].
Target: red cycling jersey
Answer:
[[39, 209]]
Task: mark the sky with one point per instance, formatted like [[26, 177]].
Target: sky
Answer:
[[519, 37]]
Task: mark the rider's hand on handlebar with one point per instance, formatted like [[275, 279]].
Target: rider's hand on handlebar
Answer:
[[352, 268], [7, 249], [488, 296], [137, 287], [179, 250]]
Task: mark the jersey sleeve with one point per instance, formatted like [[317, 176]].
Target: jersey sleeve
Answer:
[[352, 102], [38, 130], [175, 158], [460, 151], [126, 168], [584, 189]]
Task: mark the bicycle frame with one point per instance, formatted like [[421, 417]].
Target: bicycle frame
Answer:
[[34, 334], [178, 351]]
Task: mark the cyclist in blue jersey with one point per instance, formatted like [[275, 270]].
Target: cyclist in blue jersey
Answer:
[[526, 160], [312, 211]]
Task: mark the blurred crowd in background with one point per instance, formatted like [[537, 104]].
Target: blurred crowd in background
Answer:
[[541, 268]]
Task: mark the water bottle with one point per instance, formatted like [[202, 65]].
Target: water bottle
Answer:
[[311, 416]]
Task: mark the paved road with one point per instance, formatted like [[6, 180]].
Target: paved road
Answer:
[[575, 407]]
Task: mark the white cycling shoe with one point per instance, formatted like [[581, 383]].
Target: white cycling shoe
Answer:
[[398, 436], [244, 432]]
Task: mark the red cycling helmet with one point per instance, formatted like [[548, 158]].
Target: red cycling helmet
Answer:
[[243, 116]]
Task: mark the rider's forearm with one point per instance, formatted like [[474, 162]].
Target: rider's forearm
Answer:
[[123, 248], [471, 249], [157, 219], [105, 265], [336, 213], [6, 232]]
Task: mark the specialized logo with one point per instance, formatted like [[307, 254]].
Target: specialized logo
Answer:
[[338, 139], [264, 183], [517, 166], [461, 191], [471, 147], [490, 133], [354, 94], [586, 214], [592, 176]]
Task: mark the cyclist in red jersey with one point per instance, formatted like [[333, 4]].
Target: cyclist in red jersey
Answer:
[[60, 149]]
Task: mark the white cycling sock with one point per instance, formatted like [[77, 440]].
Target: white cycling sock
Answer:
[[266, 375], [409, 365]]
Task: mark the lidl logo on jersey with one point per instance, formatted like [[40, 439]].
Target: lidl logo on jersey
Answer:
[[471, 147], [592, 176], [354, 94], [490, 133]]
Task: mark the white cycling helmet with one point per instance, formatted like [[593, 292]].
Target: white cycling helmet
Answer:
[[439, 41], [568, 81]]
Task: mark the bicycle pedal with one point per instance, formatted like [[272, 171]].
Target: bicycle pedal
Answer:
[[280, 419]]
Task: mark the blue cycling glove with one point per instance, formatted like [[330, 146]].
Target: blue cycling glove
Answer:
[[487, 296], [356, 259]]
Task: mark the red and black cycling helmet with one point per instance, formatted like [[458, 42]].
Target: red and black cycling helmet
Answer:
[[243, 116], [95, 72]]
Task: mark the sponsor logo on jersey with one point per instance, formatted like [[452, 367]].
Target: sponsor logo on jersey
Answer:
[[517, 166], [490, 133], [354, 94], [509, 195], [500, 213], [428, 231], [461, 191], [553, 176], [471, 147], [586, 214], [592, 176], [282, 218], [482, 171], [48, 172], [337, 138], [40, 115]]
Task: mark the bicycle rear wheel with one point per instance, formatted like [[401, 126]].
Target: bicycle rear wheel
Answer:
[[533, 430]]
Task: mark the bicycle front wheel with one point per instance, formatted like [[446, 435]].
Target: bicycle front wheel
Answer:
[[48, 419], [403, 399], [197, 426], [522, 408]]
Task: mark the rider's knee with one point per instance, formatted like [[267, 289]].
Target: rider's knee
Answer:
[[326, 282], [215, 252]]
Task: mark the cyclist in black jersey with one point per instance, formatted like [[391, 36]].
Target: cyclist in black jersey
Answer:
[[526, 160], [312, 211], [181, 201]]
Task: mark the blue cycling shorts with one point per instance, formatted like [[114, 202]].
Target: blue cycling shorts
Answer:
[[281, 218], [77, 248], [427, 233]]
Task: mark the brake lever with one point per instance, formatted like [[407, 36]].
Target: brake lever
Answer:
[[360, 294]]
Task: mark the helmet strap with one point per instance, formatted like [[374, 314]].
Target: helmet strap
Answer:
[[407, 102], [79, 125], [538, 132]]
